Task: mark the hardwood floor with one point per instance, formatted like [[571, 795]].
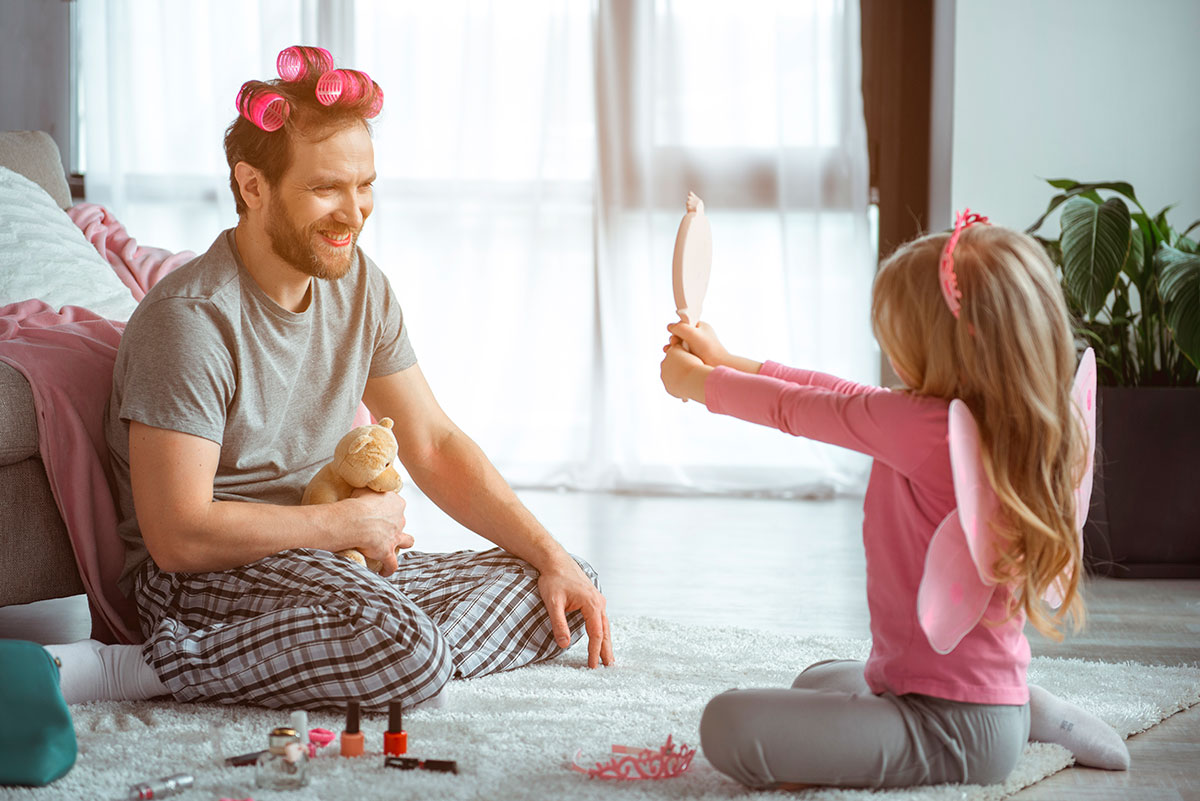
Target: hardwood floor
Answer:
[[797, 567]]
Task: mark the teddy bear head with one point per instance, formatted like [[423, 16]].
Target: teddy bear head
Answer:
[[366, 457]]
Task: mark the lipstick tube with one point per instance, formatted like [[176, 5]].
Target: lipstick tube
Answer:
[[161, 788], [412, 763]]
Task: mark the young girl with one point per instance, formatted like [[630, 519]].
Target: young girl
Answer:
[[976, 315]]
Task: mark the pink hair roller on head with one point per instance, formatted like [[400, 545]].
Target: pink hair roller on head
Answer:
[[348, 85], [297, 62], [264, 108]]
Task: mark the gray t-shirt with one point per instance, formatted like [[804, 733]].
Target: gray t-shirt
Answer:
[[208, 353]]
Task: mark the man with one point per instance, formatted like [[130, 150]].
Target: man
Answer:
[[235, 378]]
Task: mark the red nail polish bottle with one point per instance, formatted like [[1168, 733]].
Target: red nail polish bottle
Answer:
[[395, 739]]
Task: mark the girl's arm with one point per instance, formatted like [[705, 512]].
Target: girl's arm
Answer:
[[899, 429], [703, 342], [795, 375]]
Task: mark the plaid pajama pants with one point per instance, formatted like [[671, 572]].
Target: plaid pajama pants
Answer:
[[306, 629]]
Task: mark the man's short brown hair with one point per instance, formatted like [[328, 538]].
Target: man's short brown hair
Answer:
[[271, 153]]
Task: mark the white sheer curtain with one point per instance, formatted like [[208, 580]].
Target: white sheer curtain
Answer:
[[756, 106], [533, 159]]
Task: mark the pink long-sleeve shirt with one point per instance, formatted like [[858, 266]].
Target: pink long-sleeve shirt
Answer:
[[910, 491]]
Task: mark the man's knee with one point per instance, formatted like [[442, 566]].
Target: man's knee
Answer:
[[414, 672]]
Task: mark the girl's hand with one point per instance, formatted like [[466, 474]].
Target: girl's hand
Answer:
[[702, 341], [683, 374]]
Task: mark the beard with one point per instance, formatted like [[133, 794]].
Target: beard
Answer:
[[302, 248]]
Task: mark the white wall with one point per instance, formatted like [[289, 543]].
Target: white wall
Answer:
[[34, 69], [1084, 89]]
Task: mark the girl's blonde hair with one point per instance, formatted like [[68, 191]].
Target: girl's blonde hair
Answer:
[[1010, 357]]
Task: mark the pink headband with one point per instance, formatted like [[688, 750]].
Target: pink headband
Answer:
[[269, 110], [948, 279]]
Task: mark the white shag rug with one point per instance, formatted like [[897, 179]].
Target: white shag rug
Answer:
[[514, 734]]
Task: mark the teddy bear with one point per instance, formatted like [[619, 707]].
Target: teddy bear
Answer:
[[365, 457]]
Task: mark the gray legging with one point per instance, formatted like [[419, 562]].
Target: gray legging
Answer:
[[830, 729]]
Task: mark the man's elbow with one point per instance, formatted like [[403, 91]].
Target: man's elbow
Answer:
[[435, 456], [172, 545]]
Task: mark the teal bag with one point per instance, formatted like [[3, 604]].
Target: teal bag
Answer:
[[37, 738]]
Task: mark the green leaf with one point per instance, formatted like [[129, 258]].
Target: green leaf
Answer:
[[1095, 241], [1161, 217], [1187, 244], [1188, 230], [1055, 202], [1074, 187], [1160, 221], [1150, 229], [1052, 248], [1120, 311], [1180, 287], [1135, 262]]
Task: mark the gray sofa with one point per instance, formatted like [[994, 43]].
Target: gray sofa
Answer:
[[38, 561]]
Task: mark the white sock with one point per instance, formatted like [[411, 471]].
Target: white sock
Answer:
[[91, 671], [435, 702], [1093, 742]]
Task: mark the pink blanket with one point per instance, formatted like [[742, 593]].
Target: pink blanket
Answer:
[[139, 267], [67, 356]]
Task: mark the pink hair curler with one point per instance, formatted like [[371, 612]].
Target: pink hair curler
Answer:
[[348, 86], [266, 109], [297, 62], [377, 103]]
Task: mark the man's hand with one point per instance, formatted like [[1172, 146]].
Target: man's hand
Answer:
[[566, 590], [377, 518]]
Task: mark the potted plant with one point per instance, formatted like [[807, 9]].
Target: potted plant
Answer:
[[1132, 283]]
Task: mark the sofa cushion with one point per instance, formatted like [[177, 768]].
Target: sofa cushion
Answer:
[[39, 562], [35, 155], [44, 255], [18, 418]]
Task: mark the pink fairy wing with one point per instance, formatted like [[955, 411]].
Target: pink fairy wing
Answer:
[[1083, 392], [956, 584], [977, 502], [952, 597]]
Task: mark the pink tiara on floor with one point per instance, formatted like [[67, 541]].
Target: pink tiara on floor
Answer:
[[640, 763]]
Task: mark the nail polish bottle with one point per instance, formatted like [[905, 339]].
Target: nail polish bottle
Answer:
[[395, 739], [284, 765], [300, 724], [352, 738]]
